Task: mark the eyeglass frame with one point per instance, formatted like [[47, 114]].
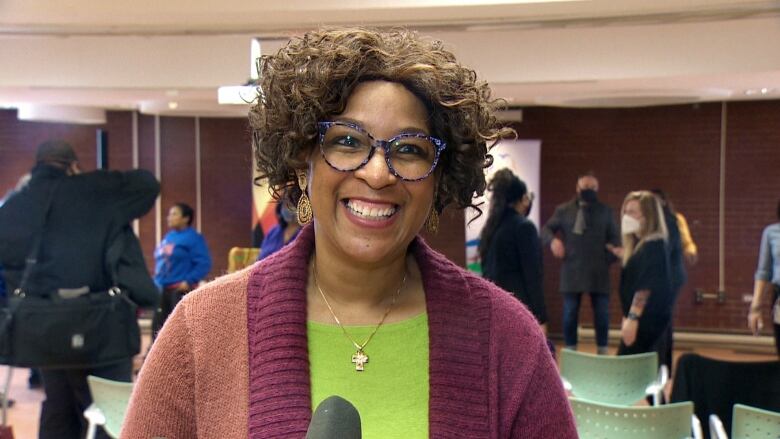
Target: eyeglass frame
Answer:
[[440, 145]]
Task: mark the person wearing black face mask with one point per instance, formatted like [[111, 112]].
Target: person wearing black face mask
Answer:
[[583, 234]]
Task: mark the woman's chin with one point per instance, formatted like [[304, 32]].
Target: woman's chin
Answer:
[[372, 251]]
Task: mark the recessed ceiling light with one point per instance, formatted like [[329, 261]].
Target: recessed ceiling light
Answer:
[[172, 105], [172, 93]]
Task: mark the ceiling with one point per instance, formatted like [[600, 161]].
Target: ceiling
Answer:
[[169, 57]]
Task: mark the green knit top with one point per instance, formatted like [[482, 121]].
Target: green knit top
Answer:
[[391, 393]]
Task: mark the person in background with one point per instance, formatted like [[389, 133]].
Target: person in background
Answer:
[[182, 260], [767, 279], [3, 303], [285, 230], [583, 233], [85, 210], [371, 134], [34, 379], [677, 257], [257, 235], [646, 292], [689, 248], [509, 244]]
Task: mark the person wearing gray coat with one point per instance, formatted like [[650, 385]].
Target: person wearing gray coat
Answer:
[[583, 234]]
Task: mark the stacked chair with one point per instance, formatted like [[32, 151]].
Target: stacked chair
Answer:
[[605, 389], [747, 423], [608, 421], [109, 405], [620, 380]]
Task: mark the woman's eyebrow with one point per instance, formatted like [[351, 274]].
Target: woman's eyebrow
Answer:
[[406, 130]]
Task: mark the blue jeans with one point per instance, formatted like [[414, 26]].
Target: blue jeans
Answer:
[[571, 311]]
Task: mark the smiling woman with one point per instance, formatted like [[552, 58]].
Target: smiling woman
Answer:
[[370, 134]]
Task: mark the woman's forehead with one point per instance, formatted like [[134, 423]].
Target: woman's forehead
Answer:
[[383, 108]]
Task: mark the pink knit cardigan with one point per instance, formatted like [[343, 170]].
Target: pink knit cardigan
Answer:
[[232, 361]]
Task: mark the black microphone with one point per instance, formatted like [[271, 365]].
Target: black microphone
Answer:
[[334, 418]]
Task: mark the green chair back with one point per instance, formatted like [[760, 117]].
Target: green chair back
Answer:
[[752, 423], [620, 380], [111, 397], [607, 421]]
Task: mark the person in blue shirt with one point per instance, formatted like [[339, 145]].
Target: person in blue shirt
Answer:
[[181, 261], [767, 279], [282, 233]]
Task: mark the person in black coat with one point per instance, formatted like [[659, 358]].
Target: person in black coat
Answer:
[[584, 235], [678, 273], [646, 292], [509, 246], [81, 218]]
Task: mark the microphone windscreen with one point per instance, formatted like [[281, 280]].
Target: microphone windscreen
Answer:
[[335, 417]]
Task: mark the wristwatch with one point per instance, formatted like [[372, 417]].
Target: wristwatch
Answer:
[[632, 316]]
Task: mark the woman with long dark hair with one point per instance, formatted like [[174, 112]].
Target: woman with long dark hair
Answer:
[[509, 245]]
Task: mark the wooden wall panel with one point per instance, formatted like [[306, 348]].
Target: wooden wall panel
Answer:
[[147, 227], [20, 139], [177, 158], [226, 157], [119, 126]]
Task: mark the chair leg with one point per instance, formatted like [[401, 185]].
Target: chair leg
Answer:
[[91, 430], [696, 428], [94, 417]]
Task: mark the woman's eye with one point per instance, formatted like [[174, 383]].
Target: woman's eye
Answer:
[[406, 148], [410, 150], [347, 141]]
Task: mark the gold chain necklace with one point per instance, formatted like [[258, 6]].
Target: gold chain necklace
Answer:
[[359, 357]]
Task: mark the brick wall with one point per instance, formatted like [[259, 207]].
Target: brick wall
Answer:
[[676, 148]]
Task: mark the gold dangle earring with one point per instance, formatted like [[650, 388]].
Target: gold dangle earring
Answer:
[[432, 222], [304, 212]]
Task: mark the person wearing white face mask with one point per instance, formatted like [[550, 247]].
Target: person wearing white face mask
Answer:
[[645, 281]]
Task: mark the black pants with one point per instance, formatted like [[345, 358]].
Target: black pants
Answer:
[[777, 327], [67, 396], [666, 348], [168, 301]]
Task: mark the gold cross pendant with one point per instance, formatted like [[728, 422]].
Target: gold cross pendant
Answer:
[[360, 359]]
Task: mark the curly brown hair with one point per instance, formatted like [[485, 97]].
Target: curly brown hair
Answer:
[[311, 78]]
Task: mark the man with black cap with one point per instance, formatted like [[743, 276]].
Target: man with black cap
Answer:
[[76, 215]]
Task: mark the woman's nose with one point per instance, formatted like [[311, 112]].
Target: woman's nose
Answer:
[[376, 173]]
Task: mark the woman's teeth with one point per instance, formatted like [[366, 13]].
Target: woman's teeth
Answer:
[[369, 211]]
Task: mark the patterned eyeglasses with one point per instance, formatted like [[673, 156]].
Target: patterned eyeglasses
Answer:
[[348, 147]]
